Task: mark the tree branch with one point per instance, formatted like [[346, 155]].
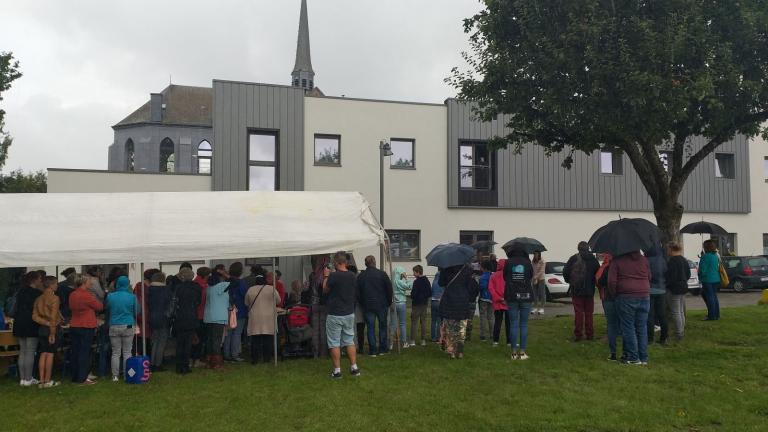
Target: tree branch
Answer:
[[642, 169]]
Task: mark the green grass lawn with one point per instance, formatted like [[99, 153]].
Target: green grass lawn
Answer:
[[716, 380]]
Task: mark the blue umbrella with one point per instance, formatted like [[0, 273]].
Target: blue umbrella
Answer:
[[449, 255]]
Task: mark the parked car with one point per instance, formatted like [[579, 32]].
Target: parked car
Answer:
[[694, 285], [553, 276], [746, 272]]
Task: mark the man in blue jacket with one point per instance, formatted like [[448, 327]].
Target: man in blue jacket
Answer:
[[374, 293]]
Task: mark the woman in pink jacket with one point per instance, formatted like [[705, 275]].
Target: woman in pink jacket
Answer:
[[496, 287]]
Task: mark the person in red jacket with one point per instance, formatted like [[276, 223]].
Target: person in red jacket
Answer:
[[82, 327], [496, 288], [280, 286], [200, 279]]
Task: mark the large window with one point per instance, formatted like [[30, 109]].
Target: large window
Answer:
[[130, 156], [262, 161], [725, 166], [327, 150], [611, 162], [405, 245], [204, 156], [474, 166], [402, 153], [167, 156], [471, 237]]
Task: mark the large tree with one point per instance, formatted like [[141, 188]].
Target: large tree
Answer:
[[9, 72], [638, 76]]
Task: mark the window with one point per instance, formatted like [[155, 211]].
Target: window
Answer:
[[328, 150], [130, 156], [474, 166], [304, 83], [296, 82], [611, 162], [725, 166], [204, 155], [765, 244], [666, 159], [311, 84], [404, 245], [167, 157], [726, 244], [402, 153], [262, 162], [470, 237]]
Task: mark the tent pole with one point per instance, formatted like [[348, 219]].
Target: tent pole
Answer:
[[274, 308], [143, 314]]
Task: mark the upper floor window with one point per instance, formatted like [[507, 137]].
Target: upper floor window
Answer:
[[262, 161], [474, 166], [611, 162], [725, 166], [204, 157], [328, 150], [167, 156], [402, 153], [303, 83], [130, 156], [471, 237], [405, 245]]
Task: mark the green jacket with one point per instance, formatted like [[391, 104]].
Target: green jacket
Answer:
[[402, 286], [709, 268]]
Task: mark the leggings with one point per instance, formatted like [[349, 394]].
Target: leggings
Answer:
[[498, 317]]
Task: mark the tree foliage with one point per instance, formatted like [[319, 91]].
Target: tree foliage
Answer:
[[9, 72], [20, 182], [637, 75]]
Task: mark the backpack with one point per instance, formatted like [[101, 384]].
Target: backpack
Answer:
[[519, 289], [577, 275], [173, 306], [10, 305]]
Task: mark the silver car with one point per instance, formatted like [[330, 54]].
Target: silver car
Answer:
[[694, 286]]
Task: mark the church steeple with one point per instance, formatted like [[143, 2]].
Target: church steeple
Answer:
[[303, 76]]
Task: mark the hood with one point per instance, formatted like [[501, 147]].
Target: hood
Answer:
[[500, 265], [122, 284], [398, 271]]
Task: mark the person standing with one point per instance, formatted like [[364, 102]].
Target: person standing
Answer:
[[496, 288], [25, 328], [658, 306], [434, 312], [280, 286], [123, 308], [63, 291], [609, 306], [84, 306], [340, 286], [709, 275], [580, 272], [629, 276], [486, 302], [678, 273], [261, 299], [420, 297], [216, 317], [539, 284], [201, 279], [159, 300], [402, 287], [185, 323], [518, 292], [374, 293], [47, 315], [460, 288], [237, 290], [96, 283]]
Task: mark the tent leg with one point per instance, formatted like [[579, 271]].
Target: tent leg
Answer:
[[143, 314], [274, 310]]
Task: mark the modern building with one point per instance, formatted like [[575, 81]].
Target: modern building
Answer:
[[442, 183]]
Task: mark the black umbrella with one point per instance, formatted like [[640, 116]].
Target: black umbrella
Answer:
[[624, 236], [527, 244], [450, 255], [483, 245], [703, 228]]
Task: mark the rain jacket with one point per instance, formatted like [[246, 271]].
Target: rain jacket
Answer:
[[709, 268], [485, 279], [159, 300], [496, 287], [122, 304], [658, 265], [421, 292], [374, 289], [460, 289], [402, 287]]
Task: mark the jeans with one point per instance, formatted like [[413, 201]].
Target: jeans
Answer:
[[418, 318], [658, 313], [709, 292], [633, 313], [197, 350], [486, 319], [319, 339], [518, 323], [677, 305], [371, 315], [233, 341], [612, 321], [435, 320], [398, 317], [27, 350], [539, 294], [82, 338], [584, 308], [184, 349], [159, 341], [500, 316], [121, 337]]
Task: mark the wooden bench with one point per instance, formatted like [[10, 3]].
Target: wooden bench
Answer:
[[9, 345]]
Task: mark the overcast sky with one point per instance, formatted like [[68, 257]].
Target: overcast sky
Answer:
[[89, 63]]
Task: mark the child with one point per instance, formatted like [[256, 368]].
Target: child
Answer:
[[421, 293]]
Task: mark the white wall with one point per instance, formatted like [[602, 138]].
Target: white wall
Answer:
[[83, 181]]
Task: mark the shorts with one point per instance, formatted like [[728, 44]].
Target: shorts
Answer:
[[340, 330], [43, 346]]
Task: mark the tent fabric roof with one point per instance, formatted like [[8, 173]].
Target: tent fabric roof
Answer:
[[184, 105], [114, 228]]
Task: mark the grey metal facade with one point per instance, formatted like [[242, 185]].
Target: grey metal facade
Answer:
[[146, 140], [531, 180]]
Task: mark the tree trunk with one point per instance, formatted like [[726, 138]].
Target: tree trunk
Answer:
[[668, 217]]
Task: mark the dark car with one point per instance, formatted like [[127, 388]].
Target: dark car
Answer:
[[747, 272]]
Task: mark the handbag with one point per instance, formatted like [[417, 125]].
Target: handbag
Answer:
[[232, 321], [724, 280]]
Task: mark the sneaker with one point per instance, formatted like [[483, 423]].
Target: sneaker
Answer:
[[643, 363], [25, 383], [335, 375], [115, 379], [49, 384], [631, 362], [88, 382], [92, 377], [612, 357], [495, 344], [522, 356], [238, 359], [541, 311], [513, 356], [372, 355], [354, 372], [34, 382], [405, 345], [423, 343], [412, 343], [533, 311]]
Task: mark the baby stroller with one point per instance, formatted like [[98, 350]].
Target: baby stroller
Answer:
[[299, 332]]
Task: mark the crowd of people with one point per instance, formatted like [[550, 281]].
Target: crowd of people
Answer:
[[208, 313]]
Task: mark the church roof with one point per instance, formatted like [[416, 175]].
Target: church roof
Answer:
[[184, 105], [303, 55]]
